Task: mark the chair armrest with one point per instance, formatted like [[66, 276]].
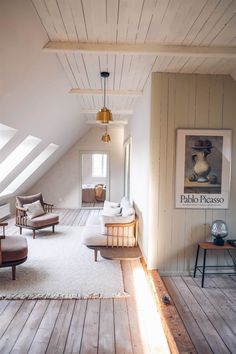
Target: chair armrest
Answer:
[[47, 207], [21, 208], [50, 204]]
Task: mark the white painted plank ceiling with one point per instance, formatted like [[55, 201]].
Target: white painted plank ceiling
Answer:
[[169, 22]]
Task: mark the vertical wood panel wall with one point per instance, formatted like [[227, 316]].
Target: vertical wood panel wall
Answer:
[[185, 101]]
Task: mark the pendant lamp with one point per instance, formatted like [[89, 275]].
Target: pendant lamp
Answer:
[[104, 116], [106, 137]]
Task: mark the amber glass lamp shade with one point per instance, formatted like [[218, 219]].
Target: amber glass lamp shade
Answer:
[[104, 116], [106, 138]]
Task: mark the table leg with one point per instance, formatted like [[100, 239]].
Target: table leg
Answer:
[[203, 269], [196, 261]]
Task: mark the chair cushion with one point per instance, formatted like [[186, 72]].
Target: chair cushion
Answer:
[[43, 220], [34, 209], [29, 199], [14, 248]]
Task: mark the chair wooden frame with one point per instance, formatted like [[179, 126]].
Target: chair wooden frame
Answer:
[[21, 218], [11, 264]]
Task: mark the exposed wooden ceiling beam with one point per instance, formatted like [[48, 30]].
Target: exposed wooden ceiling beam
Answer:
[[127, 112], [142, 49], [79, 91]]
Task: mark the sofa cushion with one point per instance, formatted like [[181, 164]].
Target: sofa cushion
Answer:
[[14, 248], [109, 204], [43, 220], [128, 210], [34, 209], [111, 211], [29, 199], [124, 202]]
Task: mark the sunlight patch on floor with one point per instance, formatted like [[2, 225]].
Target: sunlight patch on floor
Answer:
[[149, 318]]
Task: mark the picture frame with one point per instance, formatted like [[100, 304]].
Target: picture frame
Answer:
[[203, 168]]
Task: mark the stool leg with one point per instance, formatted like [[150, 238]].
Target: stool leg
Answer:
[[33, 233], [53, 228], [203, 269], [13, 272], [196, 261], [20, 230]]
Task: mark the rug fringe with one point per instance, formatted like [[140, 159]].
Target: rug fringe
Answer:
[[61, 296]]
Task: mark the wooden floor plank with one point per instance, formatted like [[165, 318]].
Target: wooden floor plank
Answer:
[[60, 332], [91, 328], [43, 335], [74, 338], [8, 314], [123, 342], [215, 342], [10, 336], [106, 328], [31, 326], [224, 331], [188, 319]]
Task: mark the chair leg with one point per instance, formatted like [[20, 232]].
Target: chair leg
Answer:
[[95, 255], [13, 272], [20, 230], [53, 228], [33, 233]]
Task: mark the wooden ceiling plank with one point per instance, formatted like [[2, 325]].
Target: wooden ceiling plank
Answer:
[[111, 70], [122, 20], [145, 20], [81, 66], [68, 20], [92, 69], [95, 19], [126, 70], [202, 18], [78, 18], [191, 65], [167, 20], [184, 19], [118, 71], [206, 65], [146, 71], [45, 18], [136, 7], [224, 35], [141, 49], [56, 19], [211, 22], [112, 13], [75, 69], [157, 18], [67, 69]]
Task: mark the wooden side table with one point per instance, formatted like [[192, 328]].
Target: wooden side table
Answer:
[[210, 246]]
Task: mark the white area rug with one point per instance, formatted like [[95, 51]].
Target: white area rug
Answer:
[[60, 267]]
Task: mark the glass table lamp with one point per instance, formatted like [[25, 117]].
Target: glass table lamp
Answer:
[[219, 231]]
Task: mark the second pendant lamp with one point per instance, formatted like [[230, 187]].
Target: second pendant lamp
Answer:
[[104, 116]]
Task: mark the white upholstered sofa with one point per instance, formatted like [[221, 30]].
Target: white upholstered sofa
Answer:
[[116, 226]]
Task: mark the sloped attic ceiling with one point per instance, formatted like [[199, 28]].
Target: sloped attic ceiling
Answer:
[[50, 47]]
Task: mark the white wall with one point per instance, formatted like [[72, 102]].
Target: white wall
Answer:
[[139, 131], [60, 184]]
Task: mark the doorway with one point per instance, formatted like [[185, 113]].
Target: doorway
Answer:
[[94, 186]]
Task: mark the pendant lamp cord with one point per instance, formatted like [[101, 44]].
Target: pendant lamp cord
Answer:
[[104, 92]]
